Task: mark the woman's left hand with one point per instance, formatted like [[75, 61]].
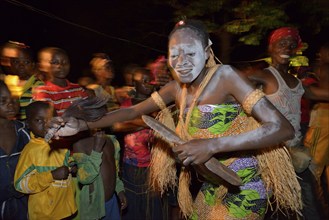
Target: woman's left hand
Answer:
[[195, 151]]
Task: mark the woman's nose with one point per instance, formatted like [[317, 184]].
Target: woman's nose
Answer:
[[181, 59]]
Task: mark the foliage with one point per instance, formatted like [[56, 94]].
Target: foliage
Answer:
[[251, 20]]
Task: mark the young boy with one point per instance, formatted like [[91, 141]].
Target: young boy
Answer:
[[42, 172], [96, 176], [58, 90], [13, 138]]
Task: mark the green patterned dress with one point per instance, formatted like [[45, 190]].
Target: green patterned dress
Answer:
[[245, 202]]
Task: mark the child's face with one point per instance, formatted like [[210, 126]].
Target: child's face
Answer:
[[22, 65], [8, 104], [57, 65], [39, 122]]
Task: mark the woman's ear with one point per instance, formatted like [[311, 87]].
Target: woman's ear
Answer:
[[207, 51], [270, 48]]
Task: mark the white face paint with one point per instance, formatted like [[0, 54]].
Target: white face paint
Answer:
[[187, 56]]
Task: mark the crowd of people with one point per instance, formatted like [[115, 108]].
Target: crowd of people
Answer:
[[58, 163]]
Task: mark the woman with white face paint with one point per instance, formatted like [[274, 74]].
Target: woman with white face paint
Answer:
[[215, 103]]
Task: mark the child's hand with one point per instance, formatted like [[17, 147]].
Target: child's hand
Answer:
[[61, 173], [73, 168], [99, 141], [123, 200]]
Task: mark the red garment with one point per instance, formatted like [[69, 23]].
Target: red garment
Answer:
[[284, 32], [60, 97], [306, 103], [136, 145]]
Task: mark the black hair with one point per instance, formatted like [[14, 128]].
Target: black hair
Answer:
[[102, 56], [109, 64], [53, 50], [32, 108], [18, 46], [197, 26], [141, 70]]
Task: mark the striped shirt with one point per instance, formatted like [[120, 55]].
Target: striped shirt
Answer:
[[60, 97], [26, 97]]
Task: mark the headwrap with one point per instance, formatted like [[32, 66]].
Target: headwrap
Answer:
[[284, 32]]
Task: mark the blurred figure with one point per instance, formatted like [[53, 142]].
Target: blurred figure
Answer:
[[160, 72], [308, 78], [17, 63], [317, 136], [126, 92], [102, 68]]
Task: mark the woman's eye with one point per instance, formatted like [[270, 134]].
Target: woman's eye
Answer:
[[191, 54], [293, 46]]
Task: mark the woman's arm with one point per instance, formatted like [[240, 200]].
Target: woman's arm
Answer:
[[71, 125]]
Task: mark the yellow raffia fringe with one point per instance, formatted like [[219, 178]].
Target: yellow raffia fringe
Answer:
[[278, 173], [184, 197], [162, 165]]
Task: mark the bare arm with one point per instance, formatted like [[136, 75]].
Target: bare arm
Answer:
[[321, 92], [129, 126], [316, 93], [71, 125], [144, 108]]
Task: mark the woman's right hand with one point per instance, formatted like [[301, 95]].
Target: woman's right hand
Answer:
[[65, 127]]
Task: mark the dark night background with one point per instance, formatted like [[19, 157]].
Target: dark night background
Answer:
[[129, 31]]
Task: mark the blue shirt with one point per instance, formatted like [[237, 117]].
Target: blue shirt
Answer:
[[13, 205]]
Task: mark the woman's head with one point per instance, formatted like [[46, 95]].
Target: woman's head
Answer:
[[197, 27], [283, 44], [188, 50]]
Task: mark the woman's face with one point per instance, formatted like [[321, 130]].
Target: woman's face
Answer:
[[187, 55], [282, 50]]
